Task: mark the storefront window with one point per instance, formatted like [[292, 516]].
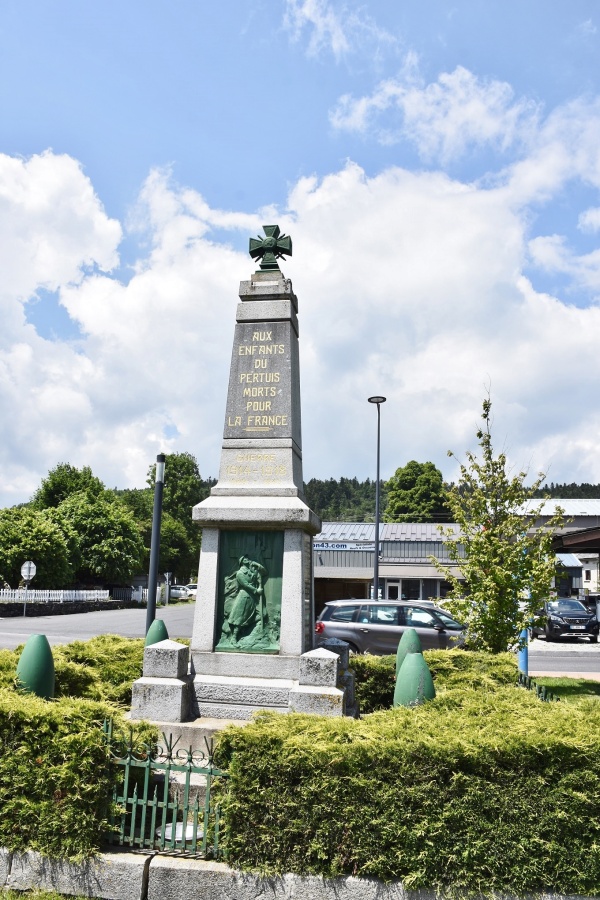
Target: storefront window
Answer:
[[411, 589], [430, 589]]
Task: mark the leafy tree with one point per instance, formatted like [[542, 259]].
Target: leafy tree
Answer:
[[416, 493], [508, 565], [178, 552], [110, 543], [27, 533], [183, 487], [64, 480]]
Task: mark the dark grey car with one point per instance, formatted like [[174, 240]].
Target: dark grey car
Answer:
[[566, 617], [371, 626]]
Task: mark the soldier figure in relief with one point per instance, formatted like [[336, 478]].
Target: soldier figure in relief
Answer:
[[244, 600]]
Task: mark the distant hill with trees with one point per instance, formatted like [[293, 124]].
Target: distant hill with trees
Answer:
[[413, 494], [344, 500], [571, 491]]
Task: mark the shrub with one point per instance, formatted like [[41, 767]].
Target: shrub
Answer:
[[55, 779], [479, 789], [375, 675], [103, 668]]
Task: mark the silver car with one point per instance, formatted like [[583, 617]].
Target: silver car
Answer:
[[372, 626]]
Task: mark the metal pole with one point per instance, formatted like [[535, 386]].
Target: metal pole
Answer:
[[523, 652], [155, 541], [378, 401], [25, 599]]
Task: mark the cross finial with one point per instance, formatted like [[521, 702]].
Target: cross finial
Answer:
[[271, 248]]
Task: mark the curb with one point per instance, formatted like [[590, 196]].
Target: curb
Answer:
[[123, 875]]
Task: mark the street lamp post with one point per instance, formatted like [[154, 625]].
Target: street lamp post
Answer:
[[378, 401], [155, 540]]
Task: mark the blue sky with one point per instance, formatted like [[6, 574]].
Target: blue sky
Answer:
[[438, 168]]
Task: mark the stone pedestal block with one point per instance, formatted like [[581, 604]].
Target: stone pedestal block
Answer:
[[167, 659], [319, 667], [340, 647], [345, 676], [166, 699], [323, 701], [219, 697]]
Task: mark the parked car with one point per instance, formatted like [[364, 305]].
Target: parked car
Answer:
[[192, 588], [178, 592], [566, 617], [590, 602], [371, 626]]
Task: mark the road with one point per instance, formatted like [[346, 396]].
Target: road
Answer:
[[83, 626], [579, 659]]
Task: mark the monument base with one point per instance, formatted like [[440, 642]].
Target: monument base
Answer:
[[165, 693]]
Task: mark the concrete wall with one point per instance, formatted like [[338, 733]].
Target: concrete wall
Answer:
[[139, 876], [51, 608]]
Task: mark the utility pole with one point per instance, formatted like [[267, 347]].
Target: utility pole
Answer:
[[155, 541]]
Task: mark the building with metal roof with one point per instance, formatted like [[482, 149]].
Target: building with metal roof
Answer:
[[344, 557], [577, 513], [412, 555]]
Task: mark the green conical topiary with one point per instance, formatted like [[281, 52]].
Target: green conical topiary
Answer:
[[35, 669], [414, 684], [157, 632], [410, 642]]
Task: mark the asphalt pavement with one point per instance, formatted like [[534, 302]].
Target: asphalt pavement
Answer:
[[82, 626], [570, 657]]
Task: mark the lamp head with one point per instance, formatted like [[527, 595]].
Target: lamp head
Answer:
[[377, 400]]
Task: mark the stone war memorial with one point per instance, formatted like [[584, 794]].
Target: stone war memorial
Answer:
[[252, 641]]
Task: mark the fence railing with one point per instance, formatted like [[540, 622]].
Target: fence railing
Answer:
[[17, 595], [165, 798], [542, 692]]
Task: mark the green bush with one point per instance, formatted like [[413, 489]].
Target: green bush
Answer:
[[480, 790], [375, 675], [8, 667], [55, 779], [103, 668]]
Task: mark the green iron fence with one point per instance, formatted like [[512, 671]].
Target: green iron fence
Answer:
[[164, 800], [542, 692]]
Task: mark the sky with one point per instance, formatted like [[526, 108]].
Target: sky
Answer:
[[437, 166]]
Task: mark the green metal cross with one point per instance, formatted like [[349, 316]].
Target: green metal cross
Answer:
[[271, 248]]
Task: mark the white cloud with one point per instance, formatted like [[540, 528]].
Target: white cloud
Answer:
[[342, 33], [443, 118], [552, 254], [409, 284], [589, 219], [587, 28], [51, 224]]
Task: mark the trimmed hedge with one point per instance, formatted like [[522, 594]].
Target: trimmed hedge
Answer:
[[102, 668], [479, 790], [55, 778], [375, 675], [54, 774]]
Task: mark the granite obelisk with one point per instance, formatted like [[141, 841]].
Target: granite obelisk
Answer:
[[253, 623], [254, 605]]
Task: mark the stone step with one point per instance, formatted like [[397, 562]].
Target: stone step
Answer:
[[259, 693], [194, 735]]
